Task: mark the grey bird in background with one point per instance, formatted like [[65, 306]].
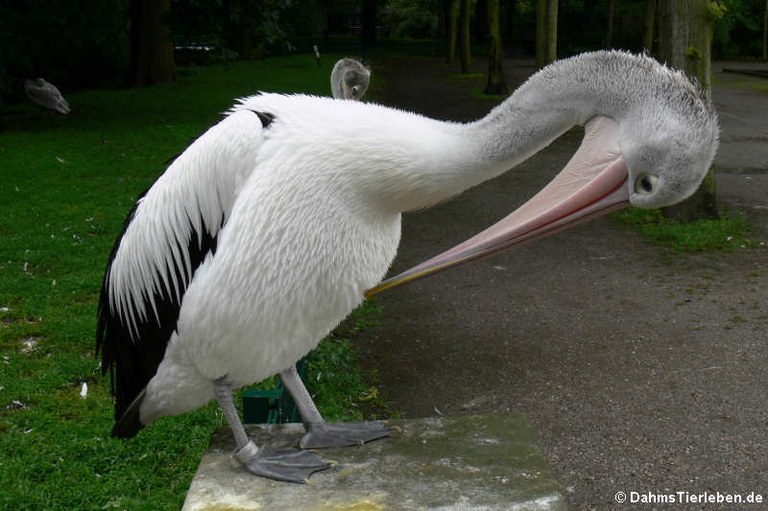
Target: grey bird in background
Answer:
[[46, 95], [349, 79]]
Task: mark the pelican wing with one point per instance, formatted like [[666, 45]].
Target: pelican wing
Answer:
[[169, 232]]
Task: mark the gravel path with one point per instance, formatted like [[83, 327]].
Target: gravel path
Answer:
[[643, 371]]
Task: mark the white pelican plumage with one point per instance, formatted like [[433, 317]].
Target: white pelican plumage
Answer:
[[268, 230]]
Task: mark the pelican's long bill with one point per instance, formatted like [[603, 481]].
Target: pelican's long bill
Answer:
[[593, 183]]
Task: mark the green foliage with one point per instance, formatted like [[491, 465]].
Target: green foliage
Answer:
[[68, 183], [692, 53], [717, 9], [738, 30], [727, 233], [410, 19]]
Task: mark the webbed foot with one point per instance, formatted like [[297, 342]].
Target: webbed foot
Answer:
[[291, 465], [321, 435]]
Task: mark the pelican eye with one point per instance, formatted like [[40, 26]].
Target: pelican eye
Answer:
[[646, 184]]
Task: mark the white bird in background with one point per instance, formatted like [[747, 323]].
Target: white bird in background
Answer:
[[349, 79], [275, 222], [46, 95]]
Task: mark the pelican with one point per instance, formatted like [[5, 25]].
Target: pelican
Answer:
[[349, 79], [270, 228], [46, 95]]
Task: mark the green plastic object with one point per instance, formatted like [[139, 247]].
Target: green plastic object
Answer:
[[272, 406]]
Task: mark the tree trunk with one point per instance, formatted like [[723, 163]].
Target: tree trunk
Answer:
[[151, 48], [765, 32], [609, 25], [552, 31], [650, 17], [546, 32], [541, 33], [443, 6], [685, 38], [464, 42], [590, 13], [479, 28], [685, 43], [509, 23], [453, 30], [238, 28], [368, 22], [496, 82]]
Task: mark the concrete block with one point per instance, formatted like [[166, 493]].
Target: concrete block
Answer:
[[488, 463]]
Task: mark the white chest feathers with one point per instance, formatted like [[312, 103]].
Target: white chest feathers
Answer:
[[293, 260]]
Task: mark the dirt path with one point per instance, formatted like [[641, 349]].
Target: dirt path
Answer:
[[642, 371]]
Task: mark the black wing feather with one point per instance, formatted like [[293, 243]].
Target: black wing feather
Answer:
[[133, 362]]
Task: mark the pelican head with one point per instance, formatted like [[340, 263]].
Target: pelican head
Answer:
[[649, 141], [669, 143]]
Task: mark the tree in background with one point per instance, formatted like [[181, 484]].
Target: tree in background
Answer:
[[443, 8], [765, 32], [242, 28], [648, 25], [87, 43], [685, 43], [151, 48], [546, 32], [465, 50], [239, 27], [415, 19], [479, 22], [611, 11], [739, 27], [496, 82], [453, 30], [368, 27]]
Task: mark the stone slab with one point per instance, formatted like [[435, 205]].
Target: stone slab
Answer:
[[488, 463]]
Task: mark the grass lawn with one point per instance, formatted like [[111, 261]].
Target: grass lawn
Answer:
[[67, 184], [730, 232]]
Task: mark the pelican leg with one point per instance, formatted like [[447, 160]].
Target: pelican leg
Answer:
[[321, 434], [291, 465]]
